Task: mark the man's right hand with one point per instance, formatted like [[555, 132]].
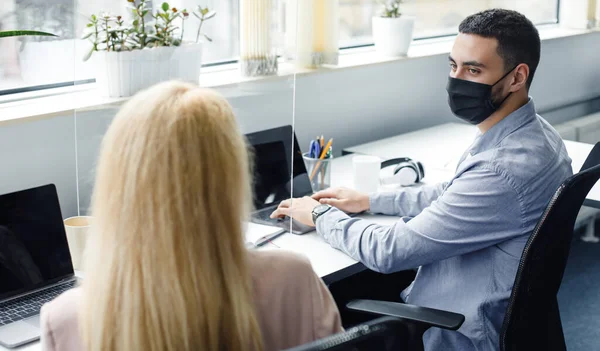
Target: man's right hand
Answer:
[[347, 200]]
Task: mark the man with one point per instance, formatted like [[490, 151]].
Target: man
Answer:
[[466, 235]]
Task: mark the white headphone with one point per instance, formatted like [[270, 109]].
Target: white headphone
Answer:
[[407, 172]]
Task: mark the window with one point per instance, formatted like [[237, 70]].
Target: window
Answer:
[[37, 62], [30, 63], [433, 17]]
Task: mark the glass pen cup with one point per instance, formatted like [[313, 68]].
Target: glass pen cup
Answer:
[[319, 171]]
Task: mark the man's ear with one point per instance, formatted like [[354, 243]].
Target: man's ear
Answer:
[[519, 77]]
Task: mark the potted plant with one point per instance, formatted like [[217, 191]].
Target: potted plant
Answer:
[[392, 31], [147, 50]]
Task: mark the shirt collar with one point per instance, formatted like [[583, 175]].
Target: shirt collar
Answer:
[[500, 130]]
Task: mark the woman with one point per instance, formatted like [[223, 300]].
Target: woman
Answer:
[[166, 266]]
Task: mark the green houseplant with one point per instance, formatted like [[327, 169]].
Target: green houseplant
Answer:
[[149, 47], [390, 9], [392, 30]]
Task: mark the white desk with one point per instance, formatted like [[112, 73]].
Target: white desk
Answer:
[[439, 149], [329, 263]]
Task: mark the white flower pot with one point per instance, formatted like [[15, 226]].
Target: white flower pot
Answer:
[[122, 74], [392, 36]]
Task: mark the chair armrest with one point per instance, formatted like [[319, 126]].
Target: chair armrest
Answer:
[[421, 315]]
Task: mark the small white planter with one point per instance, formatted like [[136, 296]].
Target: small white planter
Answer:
[[122, 74], [392, 36]]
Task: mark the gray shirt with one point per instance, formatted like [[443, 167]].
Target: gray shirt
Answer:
[[466, 235]]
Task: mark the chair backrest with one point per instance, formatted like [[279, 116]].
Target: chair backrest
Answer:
[[532, 320], [385, 334]]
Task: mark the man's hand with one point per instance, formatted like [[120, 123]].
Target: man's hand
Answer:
[[347, 200], [299, 209]]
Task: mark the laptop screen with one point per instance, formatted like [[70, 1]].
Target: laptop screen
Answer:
[[33, 244], [272, 151]]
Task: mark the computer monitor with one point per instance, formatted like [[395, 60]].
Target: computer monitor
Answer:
[[33, 244], [274, 152]]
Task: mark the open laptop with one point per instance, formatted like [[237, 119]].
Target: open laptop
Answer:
[[273, 161], [35, 263]]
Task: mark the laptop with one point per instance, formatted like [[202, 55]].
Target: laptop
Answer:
[[35, 262], [274, 152]]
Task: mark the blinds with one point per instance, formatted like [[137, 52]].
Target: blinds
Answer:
[[257, 54], [312, 32]]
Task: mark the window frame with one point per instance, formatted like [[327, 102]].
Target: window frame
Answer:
[[45, 87]]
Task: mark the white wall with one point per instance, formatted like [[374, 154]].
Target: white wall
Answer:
[[353, 105]]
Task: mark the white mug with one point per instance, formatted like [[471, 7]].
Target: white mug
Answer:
[[77, 235], [366, 171]]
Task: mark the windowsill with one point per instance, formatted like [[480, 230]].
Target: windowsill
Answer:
[[54, 102]]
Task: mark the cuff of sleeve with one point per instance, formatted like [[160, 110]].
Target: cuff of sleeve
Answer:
[[374, 202], [327, 221]]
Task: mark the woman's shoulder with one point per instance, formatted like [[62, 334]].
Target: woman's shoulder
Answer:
[[293, 304], [65, 303], [62, 311], [277, 272], [59, 321], [279, 262]]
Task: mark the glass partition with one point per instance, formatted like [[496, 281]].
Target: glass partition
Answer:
[[261, 101], [37, 144]]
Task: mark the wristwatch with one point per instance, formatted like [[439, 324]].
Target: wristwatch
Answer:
[[318, 211]]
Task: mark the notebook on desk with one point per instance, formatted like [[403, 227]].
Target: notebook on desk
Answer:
[[279, 173], [258, 235]]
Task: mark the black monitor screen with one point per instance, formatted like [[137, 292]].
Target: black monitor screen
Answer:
[[271, 163], [33, 244]]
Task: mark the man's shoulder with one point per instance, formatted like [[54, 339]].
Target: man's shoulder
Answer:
[[531, 153]]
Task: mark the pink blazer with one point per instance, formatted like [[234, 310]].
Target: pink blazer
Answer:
[[294, 306]]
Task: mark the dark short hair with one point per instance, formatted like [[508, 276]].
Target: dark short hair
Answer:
[[518, 39]]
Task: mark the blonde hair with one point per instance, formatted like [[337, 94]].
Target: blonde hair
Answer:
[[166, 266]]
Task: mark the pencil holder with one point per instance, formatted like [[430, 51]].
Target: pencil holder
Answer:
[[319, 172]]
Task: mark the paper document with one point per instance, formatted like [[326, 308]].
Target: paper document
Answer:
[[257, 234]]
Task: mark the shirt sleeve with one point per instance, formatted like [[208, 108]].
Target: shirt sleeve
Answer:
[[477, 210], [406, 202]]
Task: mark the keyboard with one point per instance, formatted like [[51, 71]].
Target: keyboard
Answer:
[[30, 305], [263, 217]]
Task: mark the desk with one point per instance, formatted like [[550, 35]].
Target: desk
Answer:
[[330, 264], [439, 148]]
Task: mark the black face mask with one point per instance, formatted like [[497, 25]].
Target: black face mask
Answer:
[[471, 101]]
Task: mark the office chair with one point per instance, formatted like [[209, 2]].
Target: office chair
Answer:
[[402, 330], [532, 320], [384, 333]]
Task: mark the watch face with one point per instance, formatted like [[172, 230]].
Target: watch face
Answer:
[[321, 208]]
